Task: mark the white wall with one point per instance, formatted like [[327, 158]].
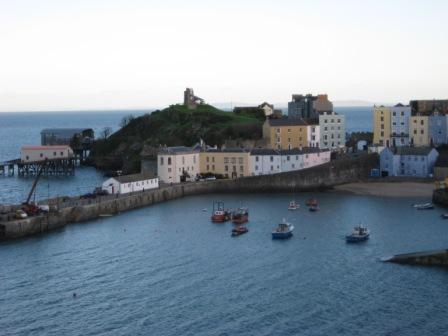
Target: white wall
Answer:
[[40, 153], [266, 164], [115, 187], [173, 166], [313, 135]]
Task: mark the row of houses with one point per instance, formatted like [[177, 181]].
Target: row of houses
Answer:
[[401, 125], [179, 164]]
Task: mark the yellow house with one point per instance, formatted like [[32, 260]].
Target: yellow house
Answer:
[[288, 133], [419, 130], [381, 126], [230, 163]]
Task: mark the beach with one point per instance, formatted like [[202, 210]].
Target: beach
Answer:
[[389, 189]]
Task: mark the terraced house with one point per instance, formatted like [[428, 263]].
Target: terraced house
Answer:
[[419, 130], [286, 133], [229, 163], [177, 164]]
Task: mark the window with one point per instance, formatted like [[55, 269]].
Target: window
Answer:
[[226, 168], [402, 113], [256, 159], [272, 168], [208, 167], [339, 120], [288, 158], [161, 160], [272, 158], [278, 130], [233, 160], [62, 153], [289, 139], [240, 160], [41, 155], [241, 168], [54, 153], [297, 157], [289, 130], [325, 128], [382, 133], [213, 159], [394, 113], [422, 131], [415, 131], [422, 122], [213, 167], [226, 160], [27, 157], [169, 161], [207, 159], [256, 167], [194, 158]]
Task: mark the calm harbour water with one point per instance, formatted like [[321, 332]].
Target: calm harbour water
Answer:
[[166, 270]]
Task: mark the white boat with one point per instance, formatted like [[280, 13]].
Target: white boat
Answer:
[[283, 231], [360, 233], [293, 205], [424, 206]]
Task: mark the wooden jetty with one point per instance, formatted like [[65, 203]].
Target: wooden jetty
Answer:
[[56, 167]]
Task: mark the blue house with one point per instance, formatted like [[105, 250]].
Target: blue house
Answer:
[[408, 161], [438, 129]]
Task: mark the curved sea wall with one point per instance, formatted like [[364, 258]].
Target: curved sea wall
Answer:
[[74, 210]]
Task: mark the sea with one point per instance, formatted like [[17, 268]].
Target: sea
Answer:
[[23, 128]]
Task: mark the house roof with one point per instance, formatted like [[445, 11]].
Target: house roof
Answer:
[[227, 150], [134, 177], [57, 147], [303, 150], [418, 151], [264, 151], [287, 122], [178, 150], [64, 132]]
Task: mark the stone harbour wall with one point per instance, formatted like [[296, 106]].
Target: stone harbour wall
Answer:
[[316, 178]]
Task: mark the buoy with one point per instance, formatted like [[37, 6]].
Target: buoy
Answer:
[[74, 295]]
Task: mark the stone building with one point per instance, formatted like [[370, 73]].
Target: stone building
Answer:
[[190, 100], [309, 106]]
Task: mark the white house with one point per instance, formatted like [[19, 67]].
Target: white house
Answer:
[[408, 161], [332, 131], [292, 159], [130, 183], [296, 159], [265, 162], [313, 135], [42, 153], [178, 164]]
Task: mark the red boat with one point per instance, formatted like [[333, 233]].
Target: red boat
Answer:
[[240, 216], [220, 214], [312, 202], [239, 230]]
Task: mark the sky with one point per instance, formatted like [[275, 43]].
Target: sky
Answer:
[[95, 54]]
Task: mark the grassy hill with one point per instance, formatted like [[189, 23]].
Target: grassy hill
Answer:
[[175, 125]]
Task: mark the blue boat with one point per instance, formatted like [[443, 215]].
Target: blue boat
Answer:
[[359, 234], [313, 208], [283, 231]]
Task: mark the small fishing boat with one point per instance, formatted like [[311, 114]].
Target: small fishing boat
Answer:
[[283, 230], [424, 206], [220, 214], [240, 216], [293, 205], [444, 216], [239, 230], [311, 202], [313, 208], [359, 233]]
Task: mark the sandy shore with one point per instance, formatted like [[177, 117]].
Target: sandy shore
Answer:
[[389, 189]]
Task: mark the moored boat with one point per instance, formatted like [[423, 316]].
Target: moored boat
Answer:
[[283, 231], [424, 206], [313, 208], [240, 216], [311, 202], [239, 230], [220, 214], [293, 205], [444, 216], [359, 233]]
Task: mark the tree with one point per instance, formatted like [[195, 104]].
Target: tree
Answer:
[[105, 132], [126, 120]]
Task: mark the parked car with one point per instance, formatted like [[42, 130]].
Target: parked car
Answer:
[[20, 214], [87, 196]]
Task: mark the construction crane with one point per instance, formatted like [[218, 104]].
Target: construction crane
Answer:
[[32, 209]]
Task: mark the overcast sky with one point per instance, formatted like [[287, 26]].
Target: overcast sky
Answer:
[[93, 54]]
